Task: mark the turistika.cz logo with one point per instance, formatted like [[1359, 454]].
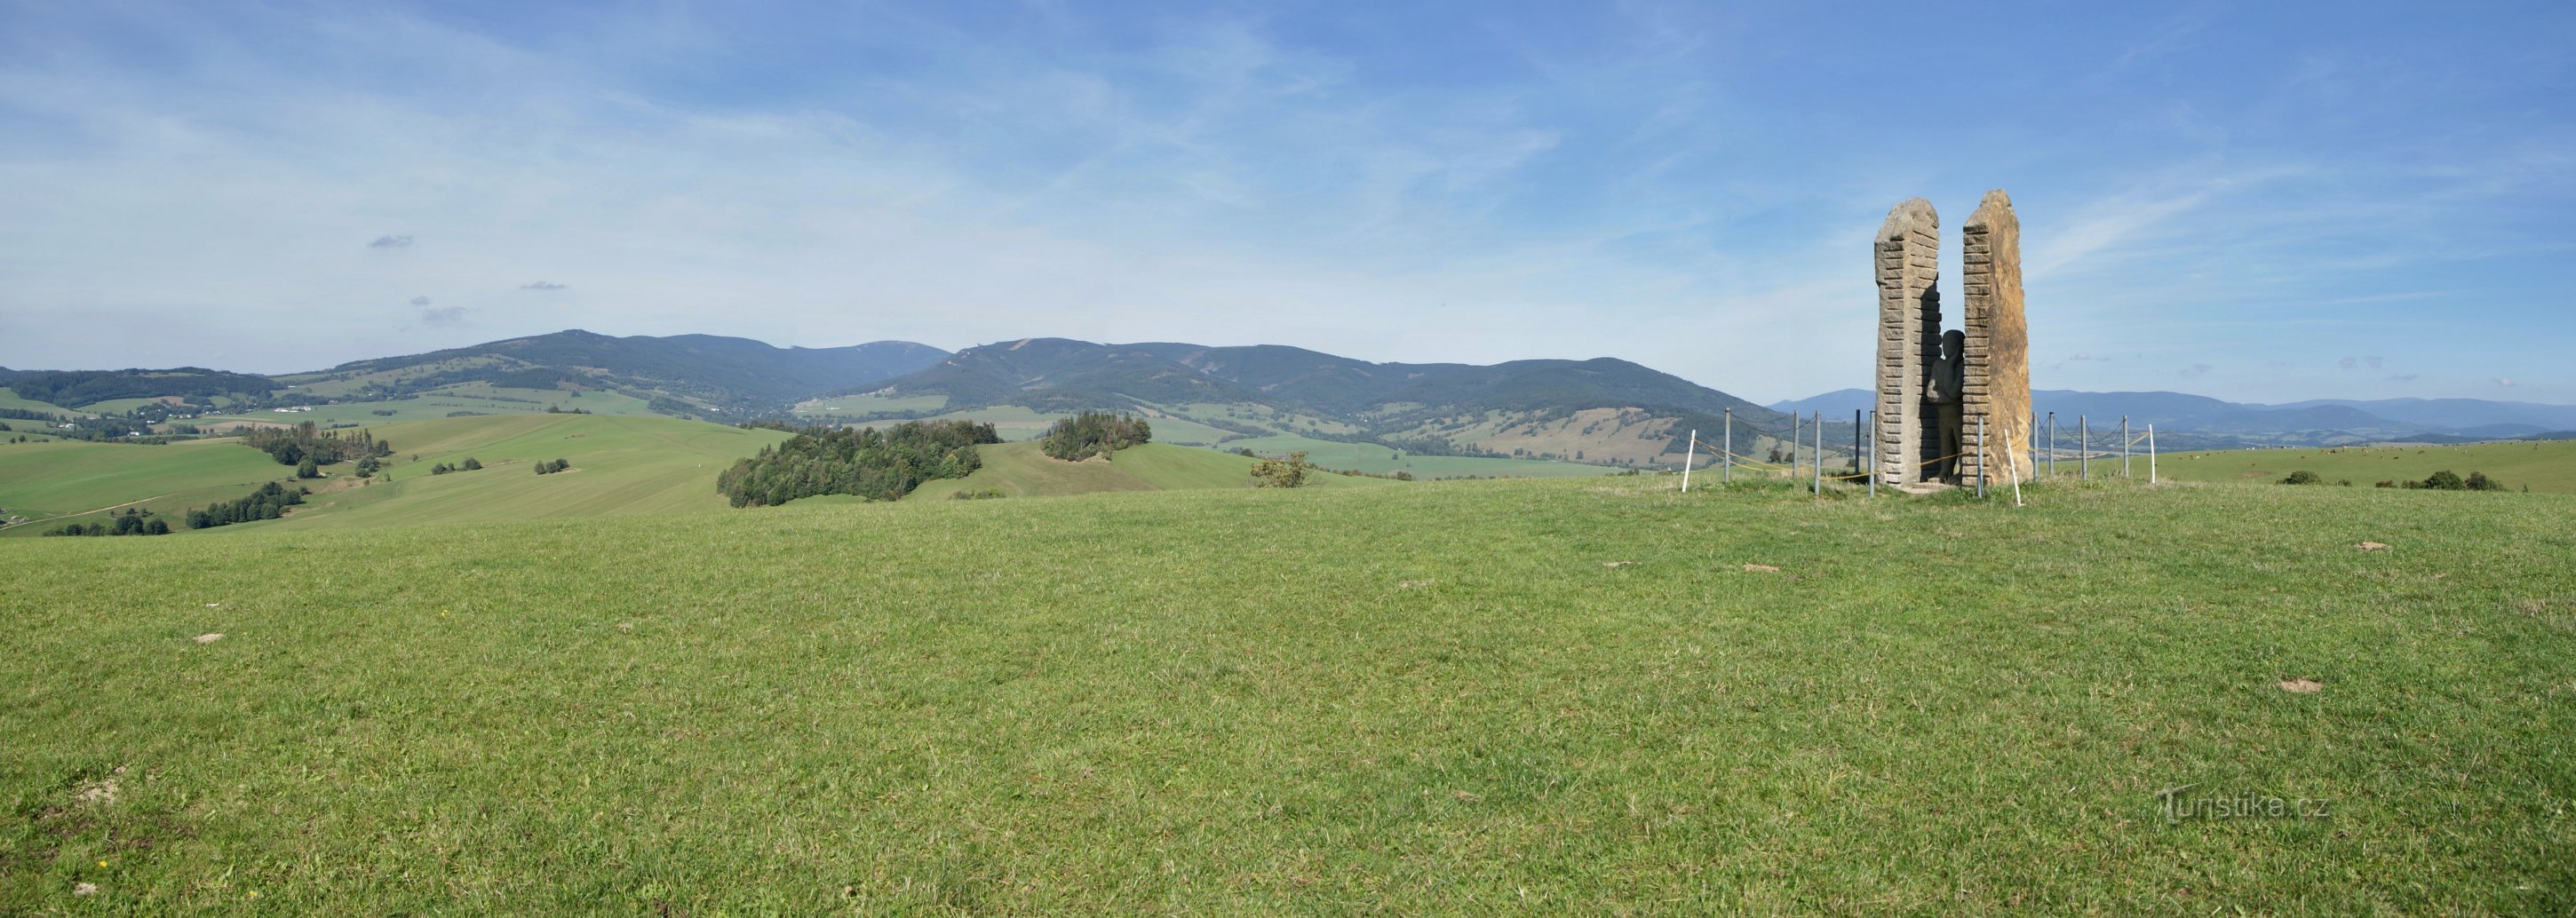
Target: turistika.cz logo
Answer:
[[2179, 804]]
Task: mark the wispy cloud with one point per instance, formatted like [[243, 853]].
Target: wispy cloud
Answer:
[[390, 242], [543, 285], [443, 315]]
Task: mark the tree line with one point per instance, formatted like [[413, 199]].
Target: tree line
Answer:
[[293, 445], [867, 462]]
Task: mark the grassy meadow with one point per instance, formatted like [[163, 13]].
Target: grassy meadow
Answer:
[[2547, 465], [57, 481], [1021, 470], [476, 397], [1380, 459], [1557, 696], [9, 398]]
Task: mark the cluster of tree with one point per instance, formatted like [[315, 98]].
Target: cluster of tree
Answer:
[[82, 387], [1283, 473], [558, 409], [267, 503], [293, 445], [443, 468], [23, 414], [547, 466], [132, 522], [979, 494], [2446, 480], [1094, 433], [864, 461]]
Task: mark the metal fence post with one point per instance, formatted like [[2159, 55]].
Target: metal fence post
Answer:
[[1873, 455], [1820, 452], [2124, 446], [1726, 467], [2083, 449], [1690, 457], [2052, 444]]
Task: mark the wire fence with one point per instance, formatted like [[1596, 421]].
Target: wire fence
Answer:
[[2041, 460]]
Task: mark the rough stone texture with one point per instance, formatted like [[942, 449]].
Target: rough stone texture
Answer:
[[1998, 352], [1907, 250]]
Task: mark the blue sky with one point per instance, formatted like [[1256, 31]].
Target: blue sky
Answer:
[[2261, 202]]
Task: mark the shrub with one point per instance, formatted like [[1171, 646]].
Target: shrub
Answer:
[[1283, 473], [2444, 480], [1093, 433], [2478, 481], [471, 465], [2302, 477], [2386, 483]]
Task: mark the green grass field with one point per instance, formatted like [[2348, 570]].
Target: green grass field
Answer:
[[1560, 697], [870, 403], [2548, 465], [1020, 470], [476, 397], [1372, 457], [62, 481], [622, 466], [9, 398]]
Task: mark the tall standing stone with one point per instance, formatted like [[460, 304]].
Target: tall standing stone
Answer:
[[1998, 345], [1908, 251]]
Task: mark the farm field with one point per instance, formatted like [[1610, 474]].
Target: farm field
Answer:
[[60, 481], [622, 466], [1377, 458], [9, 398], [1560, 697], [869, 403], [1020, 470], [2546, 465], [478, 398]]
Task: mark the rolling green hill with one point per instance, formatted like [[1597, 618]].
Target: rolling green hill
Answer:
[[2547, 465], [622, 466], [61, 481], [1544, 697], [1605, 412], [1020, 470]]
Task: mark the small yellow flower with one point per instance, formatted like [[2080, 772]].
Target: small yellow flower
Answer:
[[102, 863], [254, 894]]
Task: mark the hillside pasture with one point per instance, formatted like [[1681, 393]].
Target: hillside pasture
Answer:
[[1020, 470], [62, 481], [474, 397], [2545, 465], [1541, 697], [9, 398], [869, 404], [1381, 459], [621, 466]]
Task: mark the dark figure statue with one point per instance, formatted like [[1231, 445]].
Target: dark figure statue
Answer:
[[1945, 388]]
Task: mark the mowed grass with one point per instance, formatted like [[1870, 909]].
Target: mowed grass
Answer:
[[622, 466], [2548, 465], [1020, 470], [1560, 697], [48, 482], [1372, 457]]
